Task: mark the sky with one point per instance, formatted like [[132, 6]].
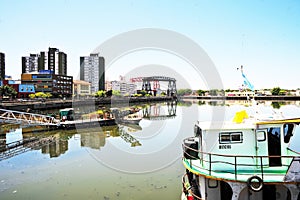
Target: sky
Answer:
[[261, 35]]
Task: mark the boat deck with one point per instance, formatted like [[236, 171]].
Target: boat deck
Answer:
[[87, 122], [268, 174]]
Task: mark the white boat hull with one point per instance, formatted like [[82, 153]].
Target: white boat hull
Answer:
[[211, 189]]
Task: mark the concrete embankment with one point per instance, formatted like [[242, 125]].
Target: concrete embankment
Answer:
[[57, 104]]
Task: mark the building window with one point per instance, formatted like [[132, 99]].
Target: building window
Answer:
[[230, 137]]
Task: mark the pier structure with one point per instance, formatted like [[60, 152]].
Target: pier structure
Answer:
[[29, 119]]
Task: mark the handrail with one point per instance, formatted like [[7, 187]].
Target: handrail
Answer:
[[209, 159], [189, 190]]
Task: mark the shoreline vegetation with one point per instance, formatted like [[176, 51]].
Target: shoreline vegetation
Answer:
[[259, 98], [114, 101]]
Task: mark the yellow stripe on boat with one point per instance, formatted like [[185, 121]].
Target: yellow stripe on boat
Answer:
[[281, 121]]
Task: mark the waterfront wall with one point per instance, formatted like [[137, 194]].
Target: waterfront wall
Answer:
[[57, 104]]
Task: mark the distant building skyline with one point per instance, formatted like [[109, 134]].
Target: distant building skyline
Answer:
[[92, 70], [53, 60], [2, 66]]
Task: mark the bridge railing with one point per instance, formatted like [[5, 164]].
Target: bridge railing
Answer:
[[17, 117]]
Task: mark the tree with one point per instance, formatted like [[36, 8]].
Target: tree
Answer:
[[200, 92], [100, 93], [182, 92], [282, 92], [213, 92], [8, 91], [275, 91]]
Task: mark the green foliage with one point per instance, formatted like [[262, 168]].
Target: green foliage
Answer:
[[7, 91], [40, 95], [48, 95], [163, 94], [100, 93], [143, 92], [116, 93], [275, 91], [31, 96], [282, 92], [182, 92], [184, 103], [277, 105], [148, 95], [213, 92], [200, 92]]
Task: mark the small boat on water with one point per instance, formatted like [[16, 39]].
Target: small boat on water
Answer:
[[247, 158], [70, 120], [131, 119]]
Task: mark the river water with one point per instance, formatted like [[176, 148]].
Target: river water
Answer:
[[118, 162]]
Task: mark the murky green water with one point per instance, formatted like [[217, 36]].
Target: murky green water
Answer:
[[120, 162]]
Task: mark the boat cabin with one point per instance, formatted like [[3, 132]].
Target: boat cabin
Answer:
[[242, 159], [66, 114], [235, 150]]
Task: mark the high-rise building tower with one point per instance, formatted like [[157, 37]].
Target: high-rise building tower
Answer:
[[2, 66], [30, 63], [92, 70], [53, 60]]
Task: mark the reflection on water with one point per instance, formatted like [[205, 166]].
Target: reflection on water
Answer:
[[90, 163]]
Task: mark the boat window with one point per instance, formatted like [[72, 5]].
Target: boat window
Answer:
[[288, 132], [261, 136], [274, 132], [230, 137], [236, 137], [224, 138]]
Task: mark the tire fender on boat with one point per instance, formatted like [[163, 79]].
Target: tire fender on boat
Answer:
[[255, 183]]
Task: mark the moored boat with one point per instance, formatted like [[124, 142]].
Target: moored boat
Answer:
[[244, 159], [131, 119]]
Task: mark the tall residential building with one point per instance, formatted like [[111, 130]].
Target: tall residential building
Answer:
[[53, 60], [92, 70], [30, 63], [2, 66]]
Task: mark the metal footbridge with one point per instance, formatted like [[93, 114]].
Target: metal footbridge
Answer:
[[29, 119]]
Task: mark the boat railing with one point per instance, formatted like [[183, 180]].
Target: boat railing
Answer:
[[189, 189], [234, 165]]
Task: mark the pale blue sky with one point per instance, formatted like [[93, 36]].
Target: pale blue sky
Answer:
[[264, 36]]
